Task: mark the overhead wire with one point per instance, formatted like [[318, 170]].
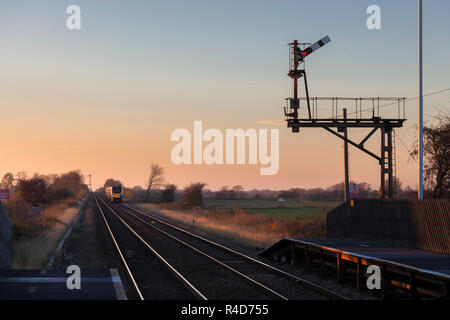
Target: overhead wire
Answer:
[[406, 100]]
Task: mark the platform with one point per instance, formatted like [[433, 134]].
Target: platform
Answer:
[[411, 269], [52, 285]]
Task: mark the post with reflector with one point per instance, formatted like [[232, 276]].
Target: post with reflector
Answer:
[[420, 126]]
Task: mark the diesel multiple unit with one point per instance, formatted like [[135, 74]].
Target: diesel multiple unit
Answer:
[[114, 194]]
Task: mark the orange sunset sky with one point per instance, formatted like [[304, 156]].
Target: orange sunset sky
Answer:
[[105, 99]]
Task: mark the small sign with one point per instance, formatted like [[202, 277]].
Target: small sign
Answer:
[[4, 194], [37, 211], [354, 191], [292, 103]]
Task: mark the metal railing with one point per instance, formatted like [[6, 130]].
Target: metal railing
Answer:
[[358, 108]]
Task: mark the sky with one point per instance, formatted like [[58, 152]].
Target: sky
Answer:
[[105, 99]]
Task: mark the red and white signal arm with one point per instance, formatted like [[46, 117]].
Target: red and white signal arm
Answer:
[[4, 194], [354, 191], [312, 48]]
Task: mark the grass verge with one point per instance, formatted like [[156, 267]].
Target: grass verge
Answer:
[[245, 228], [35, 238]]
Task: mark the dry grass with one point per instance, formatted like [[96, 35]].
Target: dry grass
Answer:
[[245, 228], [35, 238]]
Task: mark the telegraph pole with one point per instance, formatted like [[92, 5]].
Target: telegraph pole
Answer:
[[420, 126]]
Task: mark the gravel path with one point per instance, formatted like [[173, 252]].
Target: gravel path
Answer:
[[90, 247]]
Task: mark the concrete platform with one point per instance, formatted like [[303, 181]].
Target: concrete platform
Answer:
[[52, 285], [417, 271], [420, 260]]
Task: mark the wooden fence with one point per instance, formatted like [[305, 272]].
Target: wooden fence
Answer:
[[411, 223], [6, 232]]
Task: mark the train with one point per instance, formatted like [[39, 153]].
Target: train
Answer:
[[114, 194]]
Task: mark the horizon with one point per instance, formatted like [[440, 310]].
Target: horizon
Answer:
[[206, 188]]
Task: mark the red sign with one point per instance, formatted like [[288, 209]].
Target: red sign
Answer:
[[4, 194], [354, 191]]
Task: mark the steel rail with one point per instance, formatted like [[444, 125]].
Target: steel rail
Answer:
[[253, 281], [285, 274], [130, 274], [177, 274]]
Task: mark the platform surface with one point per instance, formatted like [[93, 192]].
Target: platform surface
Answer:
[[424, 261], [52, 285]]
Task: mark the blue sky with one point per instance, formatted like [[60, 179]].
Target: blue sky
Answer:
[[163, 64]]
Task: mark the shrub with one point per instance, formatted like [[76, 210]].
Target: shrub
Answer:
[[192, 195], [34, 191], [168, 193]]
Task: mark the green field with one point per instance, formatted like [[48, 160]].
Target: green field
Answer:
[[288, 209]]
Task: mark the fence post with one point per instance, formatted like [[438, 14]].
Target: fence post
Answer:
[[6, 230]]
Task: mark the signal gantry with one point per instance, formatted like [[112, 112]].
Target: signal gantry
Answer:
[[357, 119]]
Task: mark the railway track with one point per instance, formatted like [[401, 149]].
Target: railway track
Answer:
[[205, 268], [134, 255]]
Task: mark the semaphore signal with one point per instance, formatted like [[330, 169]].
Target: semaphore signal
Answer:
[[341, 122], [304, 53], [297, 57]]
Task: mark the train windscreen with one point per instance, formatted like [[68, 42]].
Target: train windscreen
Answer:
[[117, 189]]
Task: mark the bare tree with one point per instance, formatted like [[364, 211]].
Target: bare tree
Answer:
[[168, 194], [111, 183], [156, 178], [8, 180], [21, 175], [67, 184], [192, 195], [437, 156], [223, 193], [238, 191], [34, 190]]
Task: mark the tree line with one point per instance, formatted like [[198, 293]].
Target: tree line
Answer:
[[43, 189]]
